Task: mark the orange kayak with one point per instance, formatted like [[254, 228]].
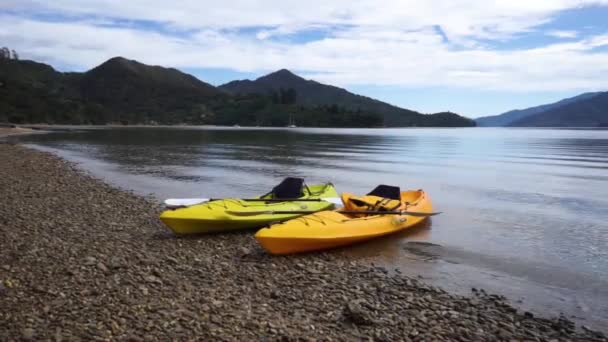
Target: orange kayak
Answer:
[[330, 229]]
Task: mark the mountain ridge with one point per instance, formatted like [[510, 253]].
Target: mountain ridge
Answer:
[[313, 93], [509, 117], [154, 73], [590, 111], [126, 91]]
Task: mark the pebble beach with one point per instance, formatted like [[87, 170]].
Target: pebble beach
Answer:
[[82, 260]]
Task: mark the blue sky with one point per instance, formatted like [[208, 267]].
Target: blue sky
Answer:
[[472, 57]]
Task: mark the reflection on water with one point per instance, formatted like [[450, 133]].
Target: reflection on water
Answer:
[[389, 249], [524, 195]]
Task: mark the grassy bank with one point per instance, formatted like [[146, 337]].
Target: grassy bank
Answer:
[[83, 260]]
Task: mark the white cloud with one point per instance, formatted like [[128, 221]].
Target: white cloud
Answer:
[[393, 42], [459, 18], [284, 30], [562, 34]]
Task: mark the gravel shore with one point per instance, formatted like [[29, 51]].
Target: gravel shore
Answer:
[[81, 260]]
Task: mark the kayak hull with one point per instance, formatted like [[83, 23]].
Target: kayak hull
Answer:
[[213, 217], [330, 229], [185, 226]]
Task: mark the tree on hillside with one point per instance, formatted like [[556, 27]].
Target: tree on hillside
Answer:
[[291, 96], [5, 53], [288, 96], [275, 97]]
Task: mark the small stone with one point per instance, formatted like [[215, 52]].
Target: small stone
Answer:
[[153, 279], [116, 262], [357, 315], [157, 272], [134, 338], [28, 334], [528, 314], [102, 267], [504, 334], [6, 267], [90, 261], [245, 251], [58, 336], [143, 290]]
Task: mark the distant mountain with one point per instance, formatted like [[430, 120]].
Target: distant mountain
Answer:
[[33, 92], [269, 83], [129, 92], [312, 93], [127, 87], [134, 73], [506, 119], [118, 90], [591, 111]]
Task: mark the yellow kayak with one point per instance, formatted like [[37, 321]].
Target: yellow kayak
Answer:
[[214, 216], [330, 229]]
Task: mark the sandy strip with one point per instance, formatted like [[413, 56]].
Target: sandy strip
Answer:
[[4, 131]]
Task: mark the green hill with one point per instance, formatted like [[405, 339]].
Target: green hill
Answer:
[[591, 111], [128, 92], [135, 92], [510, 117], [35, 92], [312, 93]]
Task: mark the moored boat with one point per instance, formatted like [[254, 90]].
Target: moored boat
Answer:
[[215, 215], [383, 211]]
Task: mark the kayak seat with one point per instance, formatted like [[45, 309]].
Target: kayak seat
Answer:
[[386, 191], [369, 202], [290, 187]]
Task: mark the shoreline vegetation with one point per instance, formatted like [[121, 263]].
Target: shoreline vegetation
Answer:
[[84, 260], [127, 92]]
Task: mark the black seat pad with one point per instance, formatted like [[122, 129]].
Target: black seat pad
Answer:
[[290, 187], [387, 191]]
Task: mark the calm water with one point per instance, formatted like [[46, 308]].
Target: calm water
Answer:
[[524, 211]]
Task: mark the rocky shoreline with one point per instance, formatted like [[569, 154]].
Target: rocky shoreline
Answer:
[[82, 260]]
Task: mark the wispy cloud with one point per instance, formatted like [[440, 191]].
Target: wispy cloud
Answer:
[[397, 42], [562, 34]]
